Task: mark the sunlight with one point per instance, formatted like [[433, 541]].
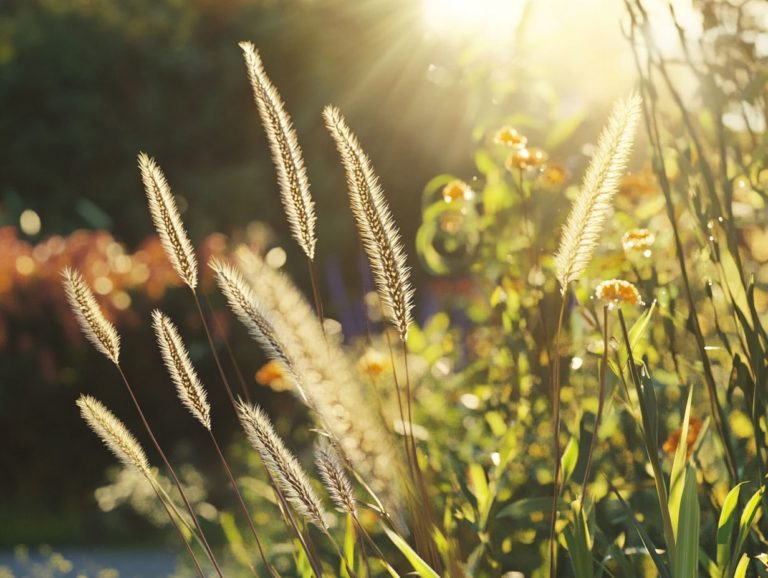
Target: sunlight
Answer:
[[490, 21]]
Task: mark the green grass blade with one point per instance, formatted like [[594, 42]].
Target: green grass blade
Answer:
[[421, 567], [725, 527], [741, 569], [686, 564], [678, 467]]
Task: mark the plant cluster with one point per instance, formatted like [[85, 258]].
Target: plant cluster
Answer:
[[588, 403]]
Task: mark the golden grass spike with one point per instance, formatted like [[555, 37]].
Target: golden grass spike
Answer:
[[286, 153], [249, 311], [378, 231], [281, 463], [188, 385], [114, 434], [100, 332], [338, 399], [168, 224], [581, 232], [335, 479]]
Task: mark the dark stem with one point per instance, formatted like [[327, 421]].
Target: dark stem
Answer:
[[178, 529], [228, 347], [316, 294], [172, 472], [600, 405], [241, 501], [556, 437], [213, 351]]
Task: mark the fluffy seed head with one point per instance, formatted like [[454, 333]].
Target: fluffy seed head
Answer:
[[286, 153], [94, 325], [329, 383], [247, 309], [167, 220], [335, 479], [590, 209], [379, 234], [188, 385], [113, 433], [281, 463]]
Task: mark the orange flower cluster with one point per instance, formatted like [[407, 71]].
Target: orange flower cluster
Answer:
[[30, 276], [617, 291], [640, 240], [673, 440]]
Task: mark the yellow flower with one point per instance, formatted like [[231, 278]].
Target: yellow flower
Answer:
[[618, 291], [518, 160], [457, 191], [555, 175], [509, 137], [372, 363], [526, 158], [638, 240]]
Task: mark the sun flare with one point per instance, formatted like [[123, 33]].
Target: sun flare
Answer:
[[492, 21]]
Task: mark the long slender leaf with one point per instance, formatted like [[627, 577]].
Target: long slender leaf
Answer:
[[421, 567], [678, 467], [725, 527], [686, 564], [644, 537]]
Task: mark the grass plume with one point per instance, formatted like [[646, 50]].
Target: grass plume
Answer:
[[335, 479], [329, 380], [165, 215], [114, 434], [100, 332], [281, 463], [188, 385], [375, 224], [581, 232], [286, 153], [249, 311]]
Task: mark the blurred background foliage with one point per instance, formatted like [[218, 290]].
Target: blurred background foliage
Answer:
[[86, 84]]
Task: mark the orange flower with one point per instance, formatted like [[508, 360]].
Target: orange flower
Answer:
[[457, 191], [372, 363], [272, 375], [638, 240], [509, 137], [618, 291], [673, 440]]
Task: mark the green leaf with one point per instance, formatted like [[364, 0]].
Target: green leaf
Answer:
[[686, 563], [747, 518], [678, 466], [349, 546], [570, 458], [741, 569], [644, 537], [579, 545], [528, 506], [725, 527], [421, 567], [478, 483]]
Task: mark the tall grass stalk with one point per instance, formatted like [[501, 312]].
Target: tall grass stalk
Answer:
[[193, 395], [104, 336], [652, 129], [600, 407], [127, 449]]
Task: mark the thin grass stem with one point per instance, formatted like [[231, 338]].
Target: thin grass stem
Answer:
[[167, 463]]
